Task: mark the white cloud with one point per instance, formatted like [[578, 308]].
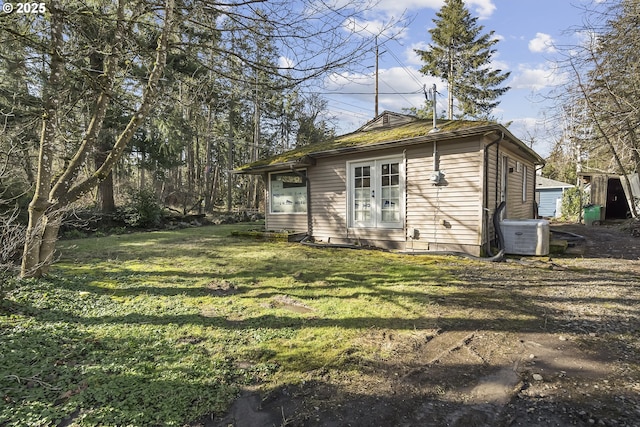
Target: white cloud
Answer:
[[400, 6], [537, 78], [481, 8], [398, 87], [542, 43], [411, 57], [531, 130], [367, 28], [499, 65], [285, 62]]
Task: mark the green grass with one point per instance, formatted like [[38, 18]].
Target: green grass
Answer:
[[162, 328]]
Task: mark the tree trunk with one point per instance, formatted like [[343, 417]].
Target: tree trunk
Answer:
[[105, 200], [40, 204], [45, 210], [450, 83], [49, 239]]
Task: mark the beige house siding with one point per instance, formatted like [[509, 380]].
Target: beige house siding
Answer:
[[516, 207], [448, 216], [296, 223], [328, 198], [329, 204], [493, 170]]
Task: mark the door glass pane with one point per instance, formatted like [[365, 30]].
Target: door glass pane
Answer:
[[377, 196], [390, 186], [362, 194]]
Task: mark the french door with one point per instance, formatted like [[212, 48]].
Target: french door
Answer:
[[376, 189]]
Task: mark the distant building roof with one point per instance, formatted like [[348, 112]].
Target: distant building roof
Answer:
[[542, 182]]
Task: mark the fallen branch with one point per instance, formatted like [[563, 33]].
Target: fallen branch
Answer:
[[33, 379]]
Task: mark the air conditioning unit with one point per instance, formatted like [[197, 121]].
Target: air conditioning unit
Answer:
[[525, 236]]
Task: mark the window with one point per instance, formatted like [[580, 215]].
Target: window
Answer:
[[376, 188], [288, 192]]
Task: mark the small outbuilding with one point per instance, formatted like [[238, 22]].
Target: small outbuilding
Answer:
[[399, 183], [549, 196], [607, 191]]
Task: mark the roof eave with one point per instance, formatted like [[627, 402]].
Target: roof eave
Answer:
[[303, 162]]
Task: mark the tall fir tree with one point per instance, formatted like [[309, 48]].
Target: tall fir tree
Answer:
[[460, 54]]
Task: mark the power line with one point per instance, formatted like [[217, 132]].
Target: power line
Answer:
[[418, 91], [406, 69]]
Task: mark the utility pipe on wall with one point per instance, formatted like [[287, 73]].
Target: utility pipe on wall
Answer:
[[485, 201]]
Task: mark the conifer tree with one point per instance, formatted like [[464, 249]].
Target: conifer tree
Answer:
[[460, 54]]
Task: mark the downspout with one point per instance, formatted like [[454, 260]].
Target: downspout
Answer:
[[266, 194], [498, 181], [536, 208], [308, 185], [485, 201]]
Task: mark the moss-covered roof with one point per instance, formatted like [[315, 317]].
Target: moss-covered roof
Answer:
[[382, 135]]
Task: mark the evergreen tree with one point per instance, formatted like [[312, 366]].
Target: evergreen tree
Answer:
[[460, 54]]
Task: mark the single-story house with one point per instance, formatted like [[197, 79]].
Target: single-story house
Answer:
[[399, 183], [549, 196]]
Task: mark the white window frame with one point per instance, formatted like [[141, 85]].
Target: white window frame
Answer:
[[298, 195], [376, 188]]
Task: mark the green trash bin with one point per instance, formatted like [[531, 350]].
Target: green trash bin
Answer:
[[592, 215]]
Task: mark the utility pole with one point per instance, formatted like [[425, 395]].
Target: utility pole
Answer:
[[578, 180], [376, 101], [431, 93]]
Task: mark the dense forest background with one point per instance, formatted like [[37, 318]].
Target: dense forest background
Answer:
[[105, 104]]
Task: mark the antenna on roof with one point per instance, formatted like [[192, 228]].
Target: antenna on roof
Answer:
[[431, 93], [376, 100]]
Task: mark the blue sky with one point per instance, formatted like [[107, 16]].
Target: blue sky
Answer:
[[527, 31]]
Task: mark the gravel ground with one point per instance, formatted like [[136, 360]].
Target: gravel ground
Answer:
[[550, 341]]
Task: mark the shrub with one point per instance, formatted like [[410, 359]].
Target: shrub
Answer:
[[73, 234], [11, 243], [143, 210], [573, 200]]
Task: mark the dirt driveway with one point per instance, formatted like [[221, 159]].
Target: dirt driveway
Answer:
[[572, 357]]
